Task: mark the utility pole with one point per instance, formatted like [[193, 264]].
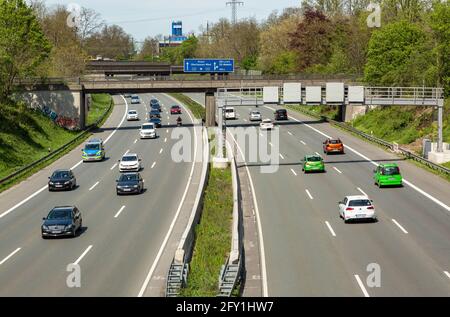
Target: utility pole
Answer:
[[234, 5]]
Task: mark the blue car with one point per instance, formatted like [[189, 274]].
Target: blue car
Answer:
[[93, 151], [156, 121], [155, 114], [156, 107]]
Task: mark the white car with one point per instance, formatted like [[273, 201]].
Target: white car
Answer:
[[230, 113], [357, 208], [266, 124], [255, 115], [132, 115], [148, 131], [135, 100], [130, 163]]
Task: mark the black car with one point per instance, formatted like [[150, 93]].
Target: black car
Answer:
[[62, 180], [62, 222], [156, 107], [155, 121], [281, 114], [154, 102], [130, 183], [155, 114]]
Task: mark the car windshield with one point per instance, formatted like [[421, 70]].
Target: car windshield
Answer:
[[128, 178], [229, 110], [175, 107], [60, 174], [132, 112], [155, 120], [255, 113], [148, 127], [360, 203], [314, 159], [392, 170], [60, 214], [281, 111], [129, 158], [267, 121], [92, 146], [154, 111], [335, 141]]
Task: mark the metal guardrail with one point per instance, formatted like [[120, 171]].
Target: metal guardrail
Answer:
[[179, 268], [408, 154], [57, 151], [231, 271]]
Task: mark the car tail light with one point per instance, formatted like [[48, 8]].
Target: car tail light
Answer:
[[349, 209], [370, 208]]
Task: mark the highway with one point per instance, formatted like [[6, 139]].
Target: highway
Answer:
[[122, 235], [307, 250]]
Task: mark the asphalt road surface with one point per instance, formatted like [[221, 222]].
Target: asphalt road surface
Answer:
[[121, 236]]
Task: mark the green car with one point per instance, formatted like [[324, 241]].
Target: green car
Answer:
[[313, 163], [388, 175], [93, 151]]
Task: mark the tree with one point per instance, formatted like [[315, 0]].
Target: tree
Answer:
[[149, 50], [111, 42], [390, 54], [90, 22], [23, 46]]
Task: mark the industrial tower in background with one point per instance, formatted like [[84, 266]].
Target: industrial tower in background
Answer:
[[234, 6]]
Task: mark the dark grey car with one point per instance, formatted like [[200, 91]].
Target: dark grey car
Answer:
[[62, 180], [130, 183], [62, 222]]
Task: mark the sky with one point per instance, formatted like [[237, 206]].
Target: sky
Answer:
[[142, 18]]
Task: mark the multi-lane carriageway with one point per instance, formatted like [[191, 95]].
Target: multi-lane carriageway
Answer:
[[307, 250], [125, 239]]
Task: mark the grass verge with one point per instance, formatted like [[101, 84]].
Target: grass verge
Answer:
[[213, 236], [197, 110], [99, 105], [27, 135]]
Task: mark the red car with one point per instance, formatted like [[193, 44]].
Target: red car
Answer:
[[175, 110]]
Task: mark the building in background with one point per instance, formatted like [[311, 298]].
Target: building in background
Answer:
[[176, 38]]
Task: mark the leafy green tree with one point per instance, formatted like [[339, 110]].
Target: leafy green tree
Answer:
[[23, 46], [391, 51]]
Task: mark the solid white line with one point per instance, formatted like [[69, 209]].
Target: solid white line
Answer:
[[293, 172], [121, 122], [160, 151], [270, 143], [262, 250], [446, 273], [165, 140], [153, 165], [172, 225], [363, 192], [93, 186], [282, 157], [330, 228], [114, 166], [400, 226], [337, 170], [24, 201], [119, 212], [309, 194], [10, 256], [289, 133], [82, 256], [361, 285], [302, 142], [437, 201]]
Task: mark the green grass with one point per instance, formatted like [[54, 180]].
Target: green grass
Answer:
[[100, 104], [28, 135], [198, 111], [213, 236]]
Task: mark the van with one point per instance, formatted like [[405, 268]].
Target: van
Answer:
[[230, 113]]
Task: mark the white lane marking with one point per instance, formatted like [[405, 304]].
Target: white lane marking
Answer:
[[93, 186], [293, 172], [160, 151], [83, 255], [317, 153], [135, 141], [245, 120], [168, 118], [23, 201], [153, 165], [260, 134], [175, 218], [270, 143], [76, 165], [361, 191], [330, 228], [10, 256], [290, 133], [270, 108], [165, 140], [309, 194], [119, 212], [121, 122], [262, 250], [114, 166], [128, 151], [302, 142], [361, 285], [167, 131], [337, 170], [400, 226], [446, 273], [421, 191], [282, 157]]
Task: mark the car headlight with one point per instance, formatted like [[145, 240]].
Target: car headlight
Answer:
[[51, 183], [45, 227], [99, 153], [135, 186], [69, 227], [67, 183]]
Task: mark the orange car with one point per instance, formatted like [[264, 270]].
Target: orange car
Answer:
[[333, 146]]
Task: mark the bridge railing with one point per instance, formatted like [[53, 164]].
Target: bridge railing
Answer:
[[415, 93]]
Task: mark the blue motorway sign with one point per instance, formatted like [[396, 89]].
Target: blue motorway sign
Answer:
[[209, 65]]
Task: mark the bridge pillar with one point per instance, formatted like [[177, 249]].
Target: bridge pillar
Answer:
[[210, 106], [83, 109], [349, 112]]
